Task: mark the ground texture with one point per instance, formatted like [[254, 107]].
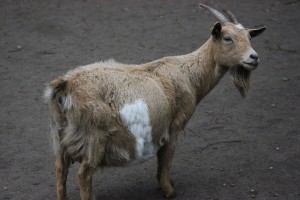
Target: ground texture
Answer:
[[233, 148]]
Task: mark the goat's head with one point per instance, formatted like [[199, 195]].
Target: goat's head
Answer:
[[232, 48]]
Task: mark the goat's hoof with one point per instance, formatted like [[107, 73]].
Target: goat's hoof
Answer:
[[170, 195]]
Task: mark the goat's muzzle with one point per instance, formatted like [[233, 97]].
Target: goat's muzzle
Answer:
[[251, 62]]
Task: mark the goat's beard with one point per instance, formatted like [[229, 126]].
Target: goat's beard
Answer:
[[241, 79]]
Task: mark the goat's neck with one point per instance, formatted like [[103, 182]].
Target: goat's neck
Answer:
[[204, 73]]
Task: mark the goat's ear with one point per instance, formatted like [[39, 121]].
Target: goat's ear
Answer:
[[216, 31], [257, 31]]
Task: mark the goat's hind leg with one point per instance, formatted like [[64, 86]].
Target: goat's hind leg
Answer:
[[85, 178], [62, 164]]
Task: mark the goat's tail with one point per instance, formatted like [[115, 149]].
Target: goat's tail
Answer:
[[58, 93], [56, 96]]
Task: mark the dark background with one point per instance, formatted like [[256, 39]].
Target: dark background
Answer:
[[232, 148]]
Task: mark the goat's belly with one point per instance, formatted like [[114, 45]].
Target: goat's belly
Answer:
[[135, 117]]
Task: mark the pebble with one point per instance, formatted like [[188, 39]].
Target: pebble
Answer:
[[253, 192], [285, 78], [5, 188], [277, 148], [271, 168]]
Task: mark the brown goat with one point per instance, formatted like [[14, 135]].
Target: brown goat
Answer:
[[112, 114]]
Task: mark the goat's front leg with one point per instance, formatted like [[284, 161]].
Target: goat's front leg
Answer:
[[164, 157], [85, 178], [62, 164]]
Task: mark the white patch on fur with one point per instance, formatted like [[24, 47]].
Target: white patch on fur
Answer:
[[48, 94], [136, 117], [239, 26]]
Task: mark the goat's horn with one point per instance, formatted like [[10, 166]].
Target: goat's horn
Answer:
[[231, 16], [216, 13]]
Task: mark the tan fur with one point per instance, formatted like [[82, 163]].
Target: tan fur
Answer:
[[85, 105]]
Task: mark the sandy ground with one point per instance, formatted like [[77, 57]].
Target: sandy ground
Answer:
[[232, 148]]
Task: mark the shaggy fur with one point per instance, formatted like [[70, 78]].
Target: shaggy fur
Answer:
[[88, 103]]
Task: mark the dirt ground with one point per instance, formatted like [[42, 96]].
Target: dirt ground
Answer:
[[233, 148]]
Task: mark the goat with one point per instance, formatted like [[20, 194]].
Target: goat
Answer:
[[112, 114]]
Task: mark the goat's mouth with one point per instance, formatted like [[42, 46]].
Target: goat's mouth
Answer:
[[250, 65]]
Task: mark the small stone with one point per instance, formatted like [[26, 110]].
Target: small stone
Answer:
[[253, 193], [232, 185], [271, 168], [275, 195], [224, 184], [273, 105], [277, 148], [19, 47], [5, 188]]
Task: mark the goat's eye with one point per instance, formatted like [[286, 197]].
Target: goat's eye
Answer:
[[227, 39]]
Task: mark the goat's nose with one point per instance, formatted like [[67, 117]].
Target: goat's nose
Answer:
[[254, 57]]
